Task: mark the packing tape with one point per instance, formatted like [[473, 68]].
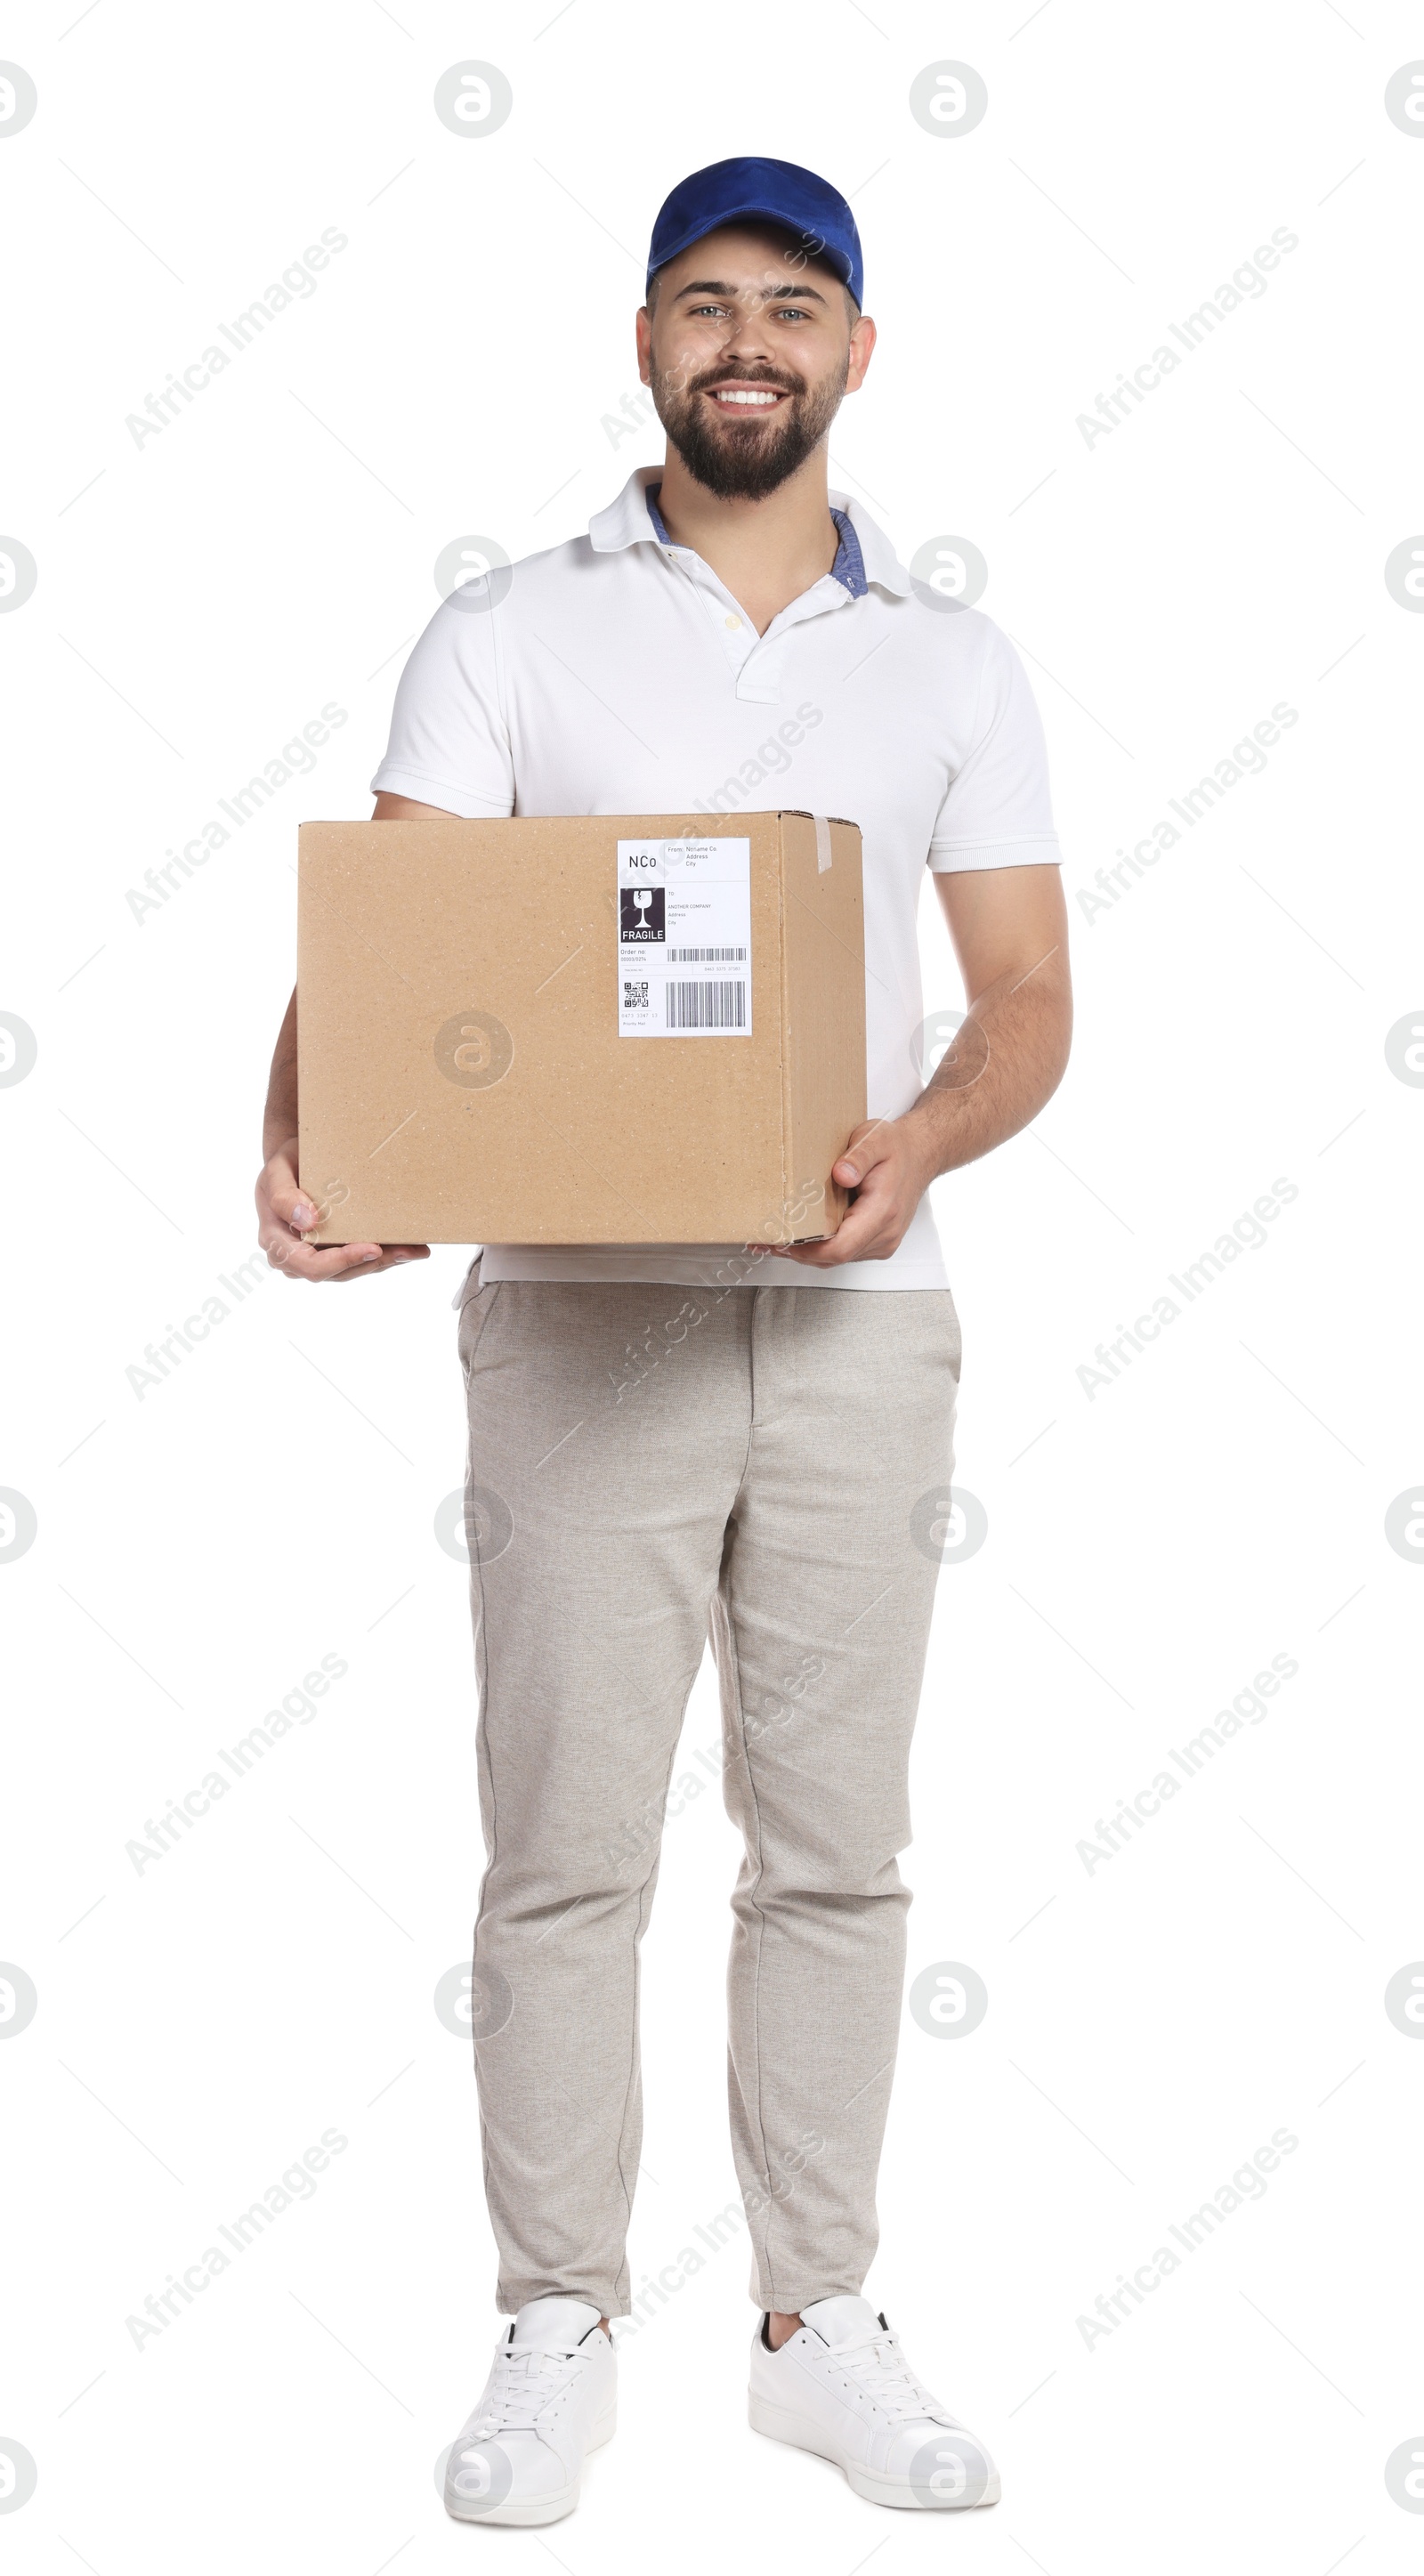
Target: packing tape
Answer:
[[823, 843]]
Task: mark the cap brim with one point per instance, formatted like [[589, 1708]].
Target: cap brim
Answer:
[[748, 214]]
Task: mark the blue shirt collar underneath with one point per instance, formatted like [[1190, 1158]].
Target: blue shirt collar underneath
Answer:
[[849, 565]]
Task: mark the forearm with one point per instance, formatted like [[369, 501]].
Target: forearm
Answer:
[[1007, 1059], [279, 1119]]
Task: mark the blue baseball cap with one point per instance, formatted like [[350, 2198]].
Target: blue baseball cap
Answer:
[[779, 192]]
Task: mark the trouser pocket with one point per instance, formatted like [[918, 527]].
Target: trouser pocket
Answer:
[[476, 1304]]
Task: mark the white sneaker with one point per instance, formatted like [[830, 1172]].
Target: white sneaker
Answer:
[[551, 2397], [842, 2386]]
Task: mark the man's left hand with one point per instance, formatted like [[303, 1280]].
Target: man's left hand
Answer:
[[889, 1165]]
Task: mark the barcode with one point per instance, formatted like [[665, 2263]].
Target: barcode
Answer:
[[706, 956], [706, 1006]]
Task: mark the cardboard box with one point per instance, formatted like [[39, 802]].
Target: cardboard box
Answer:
[[597, 1028]]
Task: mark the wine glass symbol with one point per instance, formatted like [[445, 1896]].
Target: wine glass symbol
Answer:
[[642, 897]]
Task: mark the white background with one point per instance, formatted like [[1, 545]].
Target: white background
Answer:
[[200, 1547]]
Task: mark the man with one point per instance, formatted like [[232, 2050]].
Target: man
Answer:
[[684, 1433]]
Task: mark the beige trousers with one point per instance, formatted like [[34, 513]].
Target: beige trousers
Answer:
[[645, 1461]]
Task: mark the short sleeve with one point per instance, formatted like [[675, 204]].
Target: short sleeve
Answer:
[[449, 742], [997, 813]]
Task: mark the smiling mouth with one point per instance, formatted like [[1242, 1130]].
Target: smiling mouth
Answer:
[[746, 398]]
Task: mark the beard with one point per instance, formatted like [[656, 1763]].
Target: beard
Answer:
[[745, 459]]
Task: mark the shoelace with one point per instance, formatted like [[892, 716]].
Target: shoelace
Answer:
[[876, 2365], [524, 2381]]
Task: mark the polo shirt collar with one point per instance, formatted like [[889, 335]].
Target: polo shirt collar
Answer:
[[864, 548]]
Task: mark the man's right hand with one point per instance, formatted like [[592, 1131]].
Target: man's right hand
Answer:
[[285, 1214]]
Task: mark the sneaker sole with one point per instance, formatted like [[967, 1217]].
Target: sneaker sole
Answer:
[[780, 2425], [545, 2508]]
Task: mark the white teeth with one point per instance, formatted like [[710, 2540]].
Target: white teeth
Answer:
[[730, 395]]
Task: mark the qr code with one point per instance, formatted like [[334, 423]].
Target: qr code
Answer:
[[635, 996]]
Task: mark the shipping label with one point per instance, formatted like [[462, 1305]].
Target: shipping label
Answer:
[[685, 939]]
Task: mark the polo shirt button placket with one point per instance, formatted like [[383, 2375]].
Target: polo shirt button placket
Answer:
[[738, 640], [759, 678]]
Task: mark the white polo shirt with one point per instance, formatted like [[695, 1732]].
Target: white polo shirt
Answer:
[[617, 675]]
